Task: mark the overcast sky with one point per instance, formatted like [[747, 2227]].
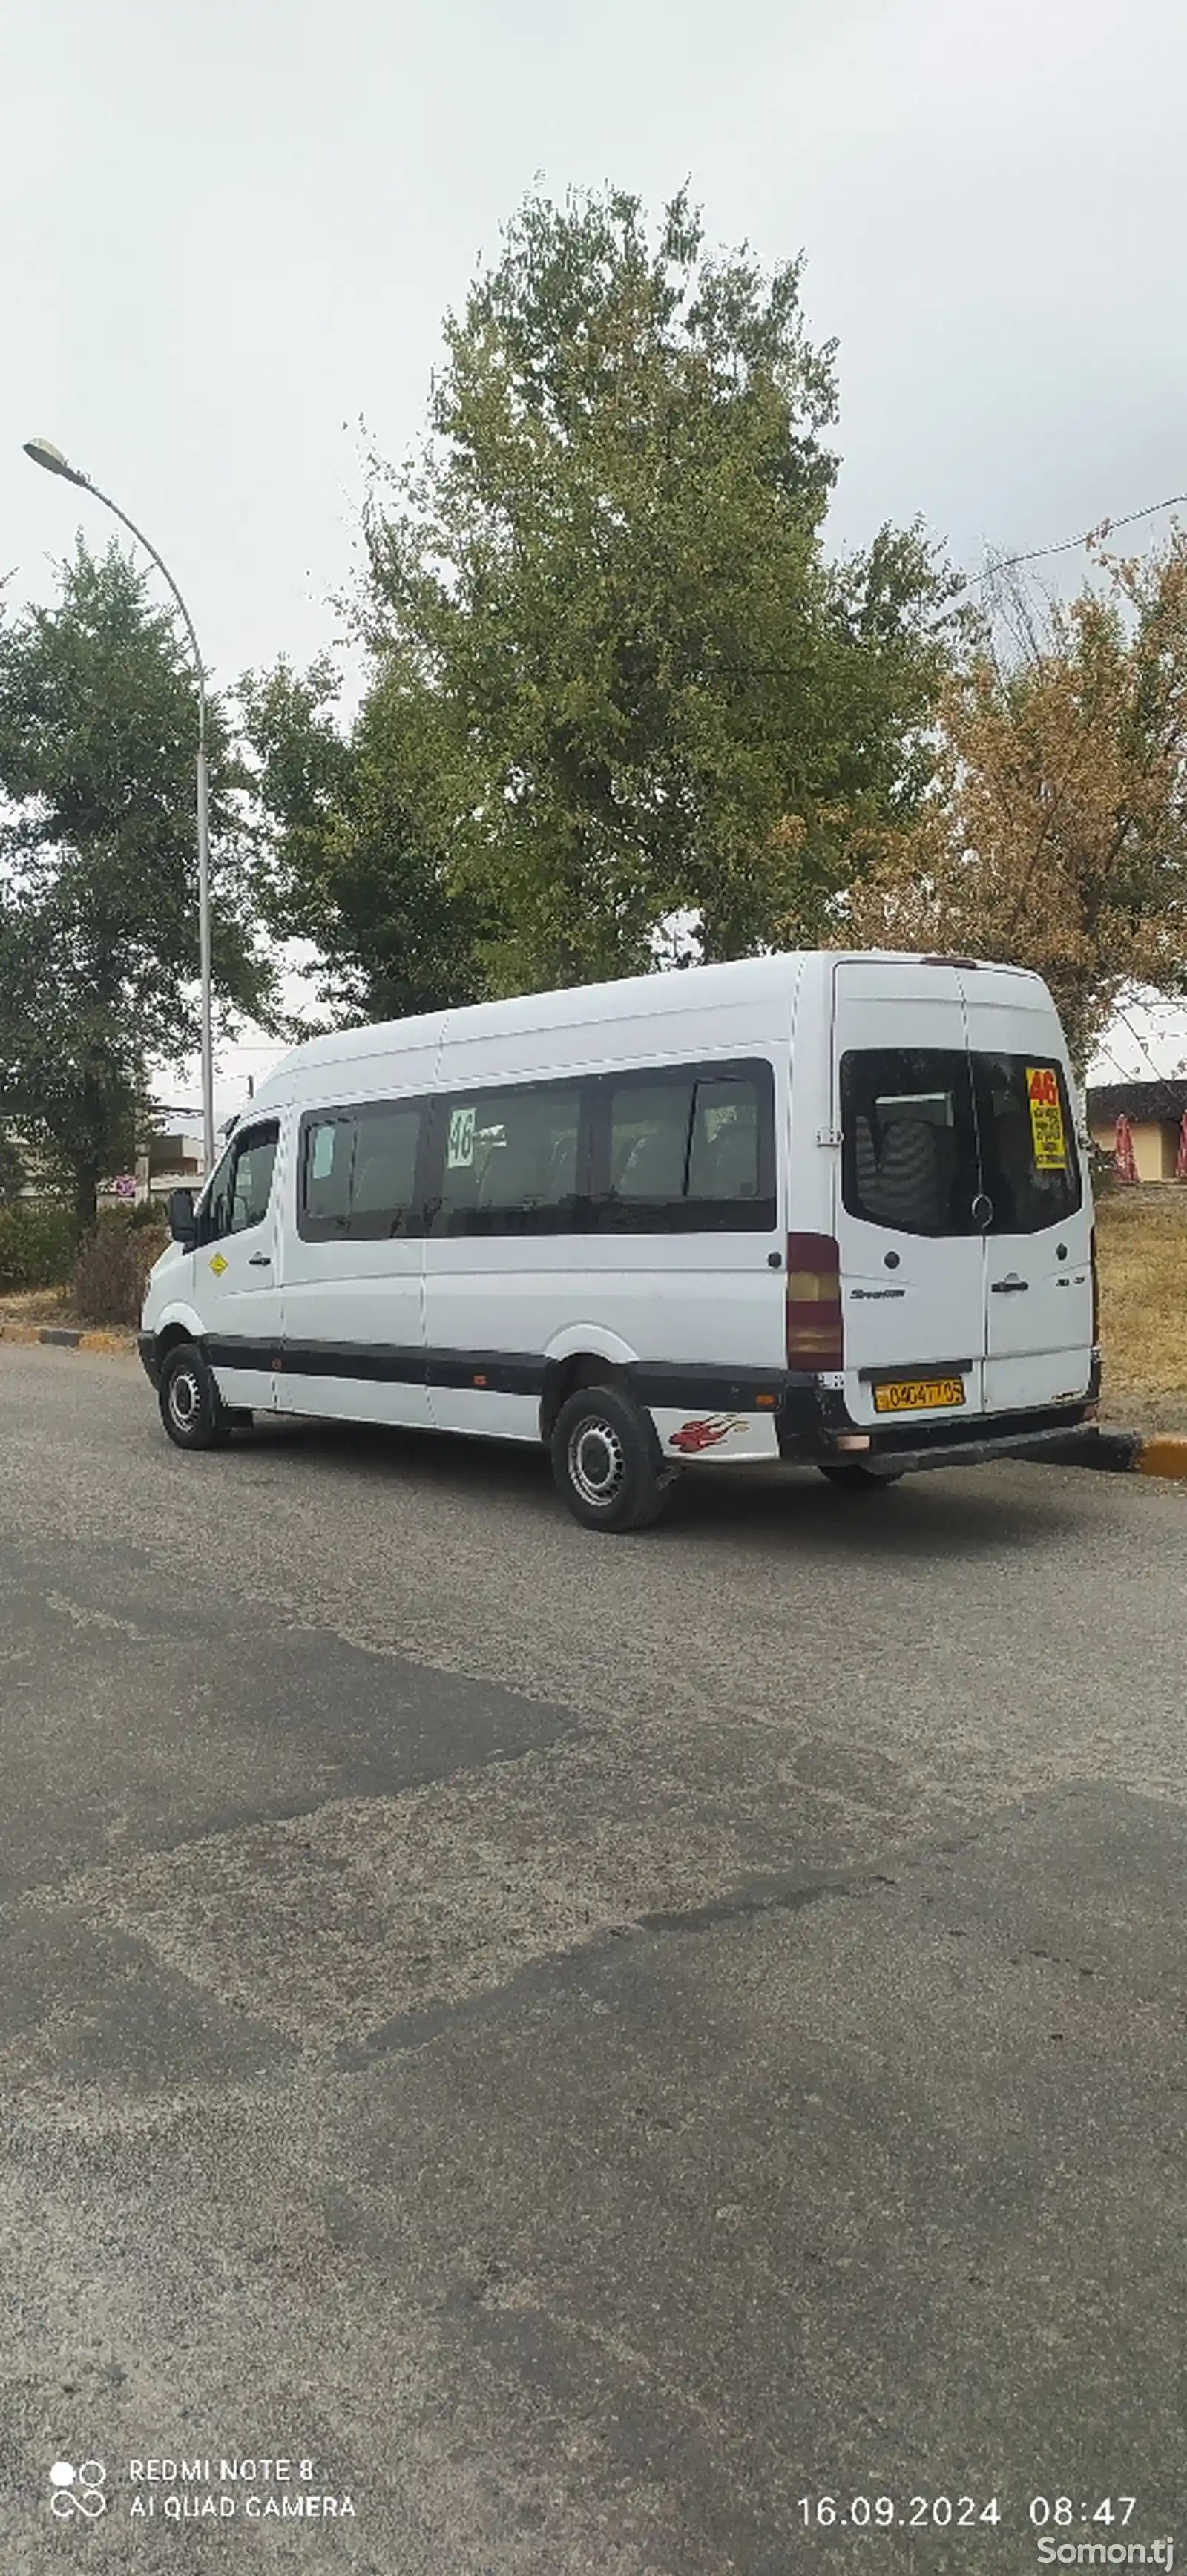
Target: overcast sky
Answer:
[[231, 228]]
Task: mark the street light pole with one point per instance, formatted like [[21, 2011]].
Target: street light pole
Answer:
[[44, 453]]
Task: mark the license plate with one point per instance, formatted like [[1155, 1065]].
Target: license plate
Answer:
[[918, 1394]]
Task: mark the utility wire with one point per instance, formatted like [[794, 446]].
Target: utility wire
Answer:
[[1167, 1082], [1068, 545]]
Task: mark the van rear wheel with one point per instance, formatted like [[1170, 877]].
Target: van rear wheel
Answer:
[[192, 1409], [606, 1463], [852, 1478]]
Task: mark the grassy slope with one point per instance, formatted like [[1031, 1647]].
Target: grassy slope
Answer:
[[1142, 1250]]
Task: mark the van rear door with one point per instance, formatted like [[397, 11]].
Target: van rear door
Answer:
[[1038, 1243], [909, 1212]]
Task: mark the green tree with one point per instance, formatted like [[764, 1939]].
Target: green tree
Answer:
[[98, 906], [614, 675], [346, 866], [12, 1169]]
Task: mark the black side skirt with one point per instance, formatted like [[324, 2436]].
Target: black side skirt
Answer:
[[810, 1418]]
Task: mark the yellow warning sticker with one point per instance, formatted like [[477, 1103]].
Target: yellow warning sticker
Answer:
[[217, 1264], [1046, 1118]]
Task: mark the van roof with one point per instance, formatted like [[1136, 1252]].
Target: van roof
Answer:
[[672, 989]]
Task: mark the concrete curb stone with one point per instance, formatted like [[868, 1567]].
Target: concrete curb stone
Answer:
[[1116, 1451], [1163, 1454], [68, 1337], [1126, 1453]]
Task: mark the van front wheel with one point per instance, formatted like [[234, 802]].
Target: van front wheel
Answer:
[[605, 1462], [192, 1409]]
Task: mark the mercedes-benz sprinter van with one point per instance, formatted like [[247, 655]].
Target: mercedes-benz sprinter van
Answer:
[[816, 1207]]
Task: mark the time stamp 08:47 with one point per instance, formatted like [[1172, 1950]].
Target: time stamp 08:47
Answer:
[[1104, 2513]]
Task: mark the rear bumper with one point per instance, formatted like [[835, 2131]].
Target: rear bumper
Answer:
[[990, 1441], [816, 1428]]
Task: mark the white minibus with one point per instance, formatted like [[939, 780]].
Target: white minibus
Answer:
[[823, 1208]]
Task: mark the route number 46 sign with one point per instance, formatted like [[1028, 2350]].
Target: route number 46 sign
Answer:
[[1046, 1118]]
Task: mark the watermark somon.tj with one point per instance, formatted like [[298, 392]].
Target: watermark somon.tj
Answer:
[[1105, 2553]]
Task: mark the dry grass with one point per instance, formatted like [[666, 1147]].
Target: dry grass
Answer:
[[1141, 1237], [38, 1306], [112, 1266]]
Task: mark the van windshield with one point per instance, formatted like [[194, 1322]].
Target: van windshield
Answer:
[[937, 1142]]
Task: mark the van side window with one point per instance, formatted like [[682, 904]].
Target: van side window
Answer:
[[383, 1187], [510, 1161], [239, 1198], [723, 1155], [326, 1165], [358, 1172], [649, 1134], [688, 1150]]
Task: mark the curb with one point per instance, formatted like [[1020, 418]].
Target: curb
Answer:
[[1125, 1453], [68, 1337], [1164, 1454]]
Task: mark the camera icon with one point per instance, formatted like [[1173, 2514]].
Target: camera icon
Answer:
[[78, 2490]]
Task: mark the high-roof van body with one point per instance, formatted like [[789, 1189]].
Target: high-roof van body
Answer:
[[821, 1207]]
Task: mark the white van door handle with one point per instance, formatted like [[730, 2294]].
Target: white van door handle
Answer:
[[260, 1261], [1011, 1287]]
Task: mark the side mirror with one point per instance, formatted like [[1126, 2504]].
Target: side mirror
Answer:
[[183, 1224]]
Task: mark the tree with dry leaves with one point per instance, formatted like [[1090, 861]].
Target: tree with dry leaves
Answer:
[[1055, 836]]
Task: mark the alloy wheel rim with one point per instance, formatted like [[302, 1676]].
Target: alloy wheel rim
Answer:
[[597, 1462], [184, 1399]]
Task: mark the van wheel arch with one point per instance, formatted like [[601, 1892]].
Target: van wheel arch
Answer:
[[167, 1340], [563, 1377]]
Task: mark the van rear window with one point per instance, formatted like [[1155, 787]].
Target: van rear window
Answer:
[[936, 1142], [1027, 1136], [909, 1147]]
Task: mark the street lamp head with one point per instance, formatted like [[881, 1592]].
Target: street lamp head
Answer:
[[43, 452]]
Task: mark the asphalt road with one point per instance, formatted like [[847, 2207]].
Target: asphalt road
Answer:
[[584, 2042]]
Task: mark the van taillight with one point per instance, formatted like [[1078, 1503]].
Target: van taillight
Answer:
[[814, 1334], [1095, 1291]]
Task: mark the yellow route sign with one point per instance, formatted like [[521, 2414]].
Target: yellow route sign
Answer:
[[1046, 1118]]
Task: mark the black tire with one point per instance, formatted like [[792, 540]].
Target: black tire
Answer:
[[192, 1409], [606, 1461], [853, 1478]]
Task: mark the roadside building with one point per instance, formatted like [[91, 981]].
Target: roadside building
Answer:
[[1155, 1111], [164, 1163], [167, 1160]]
